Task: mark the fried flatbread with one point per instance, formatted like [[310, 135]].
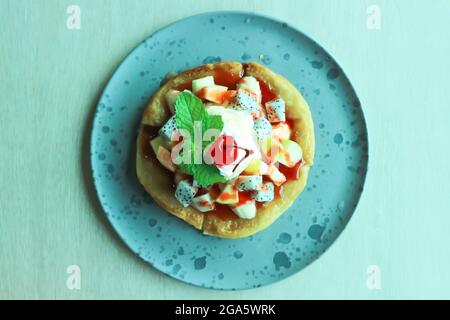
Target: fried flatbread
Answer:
[[159, 182]]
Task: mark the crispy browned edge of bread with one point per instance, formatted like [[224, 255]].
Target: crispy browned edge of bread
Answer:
[[158, 182]]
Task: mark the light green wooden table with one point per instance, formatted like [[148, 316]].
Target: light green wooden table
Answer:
[[50, 79]]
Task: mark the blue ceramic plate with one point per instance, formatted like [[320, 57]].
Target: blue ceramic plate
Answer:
[[313, 222]]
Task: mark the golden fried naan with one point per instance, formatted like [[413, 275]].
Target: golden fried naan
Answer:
[[159, 182]]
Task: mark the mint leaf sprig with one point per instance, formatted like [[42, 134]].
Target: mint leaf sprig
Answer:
[[190, 110]]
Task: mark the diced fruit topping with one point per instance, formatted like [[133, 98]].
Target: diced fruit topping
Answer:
[[169, 128], [228, 96], [276, 176], [249, 183], [250, 84], [290, 153], [185, 193], [256, 167], [262, 128], [229, 195], [159, 141], [246, 210], [198, 84], [270, 150], [281, 131], [220, 88], [245, 101], [276, 110], [214, 93], [254, 140], [171, 98], [203, 203], [163, 155], [266, 193]]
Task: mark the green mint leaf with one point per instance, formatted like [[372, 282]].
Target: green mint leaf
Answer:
[[207, 174], [186, 168], [213, 122], [189, 109]]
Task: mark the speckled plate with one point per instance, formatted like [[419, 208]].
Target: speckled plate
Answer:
[[313, 222]]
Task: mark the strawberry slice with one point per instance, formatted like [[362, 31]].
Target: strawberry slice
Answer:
[[224, 150]]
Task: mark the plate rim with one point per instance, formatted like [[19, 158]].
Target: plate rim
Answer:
[[129, 56]]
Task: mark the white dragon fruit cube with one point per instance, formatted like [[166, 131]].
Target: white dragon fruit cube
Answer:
[[203, 203], [250, 84], [276, 110], [245, 101], [169, 128], [249, 183], [185, 193], [262, 128], [265, 194]]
